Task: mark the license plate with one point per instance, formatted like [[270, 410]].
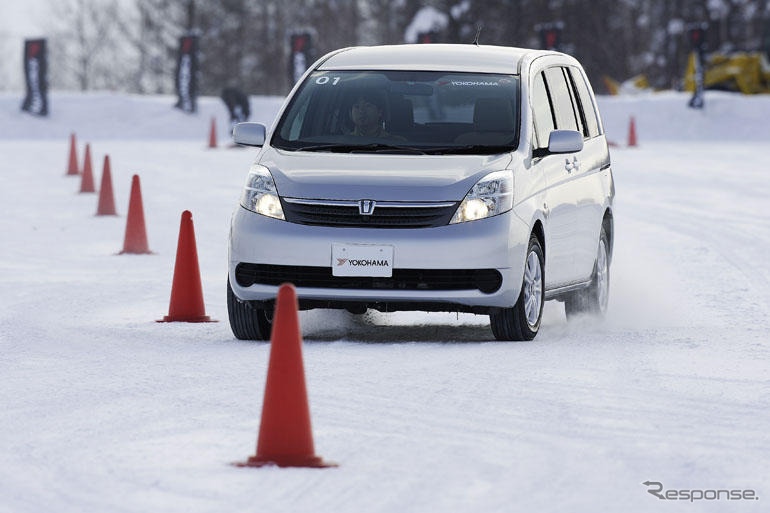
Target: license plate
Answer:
[[362, 260]]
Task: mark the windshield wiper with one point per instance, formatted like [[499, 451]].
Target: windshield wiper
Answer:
[[373, 147], [470, 149]]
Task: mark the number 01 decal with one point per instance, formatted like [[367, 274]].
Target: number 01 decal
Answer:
[[325, 80]]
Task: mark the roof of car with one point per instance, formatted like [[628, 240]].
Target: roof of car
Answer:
[[431, 57]]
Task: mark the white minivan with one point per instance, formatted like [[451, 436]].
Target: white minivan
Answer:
[[456, 178]]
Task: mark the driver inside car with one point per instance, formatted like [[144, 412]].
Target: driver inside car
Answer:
[[368, 116]]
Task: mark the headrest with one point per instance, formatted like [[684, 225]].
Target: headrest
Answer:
[[493, 115], [401, 113]]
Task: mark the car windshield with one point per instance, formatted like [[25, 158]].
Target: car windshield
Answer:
[[402, 112]]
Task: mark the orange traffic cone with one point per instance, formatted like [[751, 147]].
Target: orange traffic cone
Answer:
[[632, 133], [87, 180], [213, 133], [135, 241], [72, 168], [285, 435], [186, 292], [106, 205]]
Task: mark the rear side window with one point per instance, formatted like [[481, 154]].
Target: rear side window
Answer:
[[560, 96], [589, 109], [575, 104], [541, 110]]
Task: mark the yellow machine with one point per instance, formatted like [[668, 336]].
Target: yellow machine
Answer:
[[636, 83], [748, 73]]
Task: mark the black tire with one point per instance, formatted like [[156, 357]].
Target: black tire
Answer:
[[511, 323], [590, 300], [247, 322]]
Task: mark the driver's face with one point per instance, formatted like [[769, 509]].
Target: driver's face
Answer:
[[364, 113]]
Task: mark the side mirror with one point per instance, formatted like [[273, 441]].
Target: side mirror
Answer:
[[565, 141], [250, 134]]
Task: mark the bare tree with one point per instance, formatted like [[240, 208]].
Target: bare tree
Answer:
[[153, 32], [244, 43], [85, 44]]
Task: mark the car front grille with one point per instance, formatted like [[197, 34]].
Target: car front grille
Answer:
[[485, 280], [385, 214]]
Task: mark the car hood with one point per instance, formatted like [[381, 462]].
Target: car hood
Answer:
[[377, 176]]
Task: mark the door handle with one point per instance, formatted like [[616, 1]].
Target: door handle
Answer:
[[573, 165]]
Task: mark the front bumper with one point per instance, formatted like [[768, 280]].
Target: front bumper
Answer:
[[495, 243]]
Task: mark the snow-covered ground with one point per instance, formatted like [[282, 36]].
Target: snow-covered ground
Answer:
[[106, 115], [102, 409]]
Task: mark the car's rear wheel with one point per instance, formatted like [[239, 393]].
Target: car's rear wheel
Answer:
[[247, 322], [522, 321], [595, 298]]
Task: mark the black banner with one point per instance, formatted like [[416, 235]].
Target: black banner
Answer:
[[36, 73], [550, 35], [697, 35], [187, 74], [301, 55]]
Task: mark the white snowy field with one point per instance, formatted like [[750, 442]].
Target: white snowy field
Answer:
[[102, 409]]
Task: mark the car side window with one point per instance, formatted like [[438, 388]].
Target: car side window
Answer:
[[541, 111], [575, 104], [562, 104], [589, 109]]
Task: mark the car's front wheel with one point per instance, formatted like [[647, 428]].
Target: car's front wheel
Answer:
[[247, 322], [522, 322], [595, 298]]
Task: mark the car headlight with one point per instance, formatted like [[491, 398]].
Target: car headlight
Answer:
[[492, 195], [260, 194]]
